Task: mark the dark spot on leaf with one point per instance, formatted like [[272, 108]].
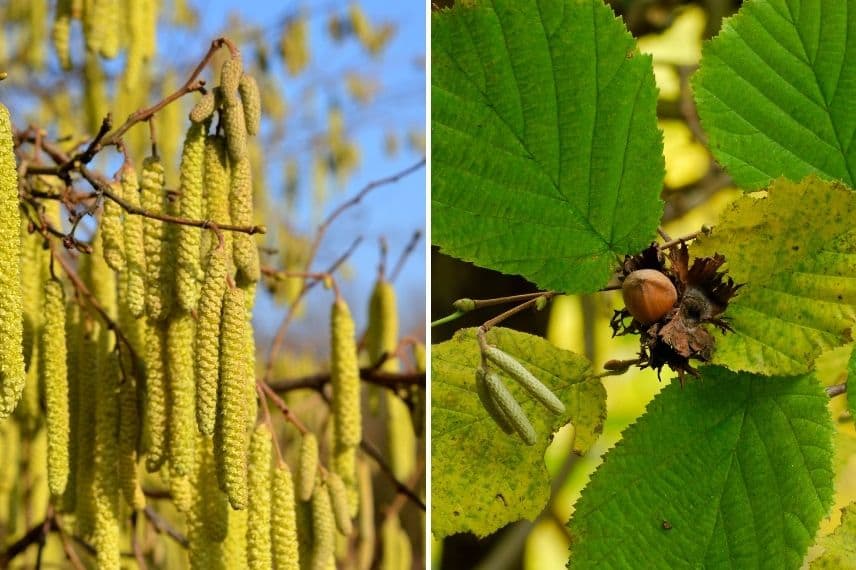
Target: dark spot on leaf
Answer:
[[667, 525], [795, 248], [456, 513]]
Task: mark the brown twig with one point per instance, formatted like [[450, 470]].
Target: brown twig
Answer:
[[161, 525], [405, 254], [283, 407], [400, 487], [36, 535], [389, 380]]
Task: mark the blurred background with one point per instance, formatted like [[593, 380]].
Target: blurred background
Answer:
[[695, 192]]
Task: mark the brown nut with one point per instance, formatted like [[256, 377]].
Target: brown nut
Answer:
[[648, 295]]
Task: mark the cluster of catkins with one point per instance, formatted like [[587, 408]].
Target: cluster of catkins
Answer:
[[500, 402]]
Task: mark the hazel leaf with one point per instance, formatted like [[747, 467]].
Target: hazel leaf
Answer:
[[546, 157], [483, 478], [839, 548], [775, 91], [734, 471], [795, 250]]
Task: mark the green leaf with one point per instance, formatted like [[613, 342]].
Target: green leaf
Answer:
[[482, 478], [546, 157], [775, 91], [733, 471], [851, 384], [796, 252], [839, 547]]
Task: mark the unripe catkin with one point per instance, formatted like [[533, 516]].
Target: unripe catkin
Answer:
[[230, 78], [208, 340], [189, 270], [235, 127], [182, 392], [252, 102], [345, 376], [235, 370], [134, 244], [245, 252], [283, 528], [258, 509], [158, 297], [204, 108], [308, 466], [56, 386], [518, 372], [323, 529], [489, 403], [509, 407], [11, 298], [112, 235]]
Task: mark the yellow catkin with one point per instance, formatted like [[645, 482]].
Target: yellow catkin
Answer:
[[28, 413], [182, 490], [106, 481], [339, 500], [345, 466], [109, 27], [230, 78], [134, 244], [245, 253], [112, 233], [366, 545], [73, 343], [235, 127], [129, 434], [235, 544], [252, 102], [210, 504], [235, 369], [323, 528], [382, 338], [345, 376], [156, 397], [308, 466], [283, 528], [153, 198], [53, 349], [182, 392], [204, 108], [208, 340], [85, 437], [12, 374], [294, 45], [61, 33], [189, 270], [259, 507], [217, 181]]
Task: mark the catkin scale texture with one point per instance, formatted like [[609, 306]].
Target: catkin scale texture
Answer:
[[522, 376], [235, 127], [204, 108], [135, 259], [244, 250], [182, 393], [208, 340], [156, 396], [308, 466], [489, 403], [283, 528], [509, 407], [11, 304], [106, 479], [153, 199], [259, 506], [323, 529], [112, 235], [252, 103], [339, 501], [189, 271], [345, 377], [230, 78], [235, 369], [56, 386]]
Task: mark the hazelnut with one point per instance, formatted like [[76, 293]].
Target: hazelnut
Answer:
[[648, 295]]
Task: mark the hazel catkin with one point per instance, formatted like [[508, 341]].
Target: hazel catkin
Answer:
[[204, 108], [189, 267], [345, 376], [156, 396], [153, 199], [323, 529], [522, 376], [283, 526], [245, 253], [12, 373], [111, 232], [182, 391], [135, 259], [308, 466], [251, 100], [339, 500], [259, 500], [53, 348], [208, 340]]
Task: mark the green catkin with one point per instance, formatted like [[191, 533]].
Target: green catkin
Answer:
[[509, 407], [28, 414], [12, 375], [53, 349], [134, 244], [73, 342], [85, 438], [339, 500], [235, 128], [308, 466], [153, 199], [156, 397], [345, 376], [519, 373], [129, 434], [259, 507], [204, 108], [489, 403], [61, 33], [283, 527], [217, 181], [323, 528], [112, 234], [182, 393], [189, 270], [244, 250], [252, 103], [235, 369], [208, 340], [230, 78], [106, 481]]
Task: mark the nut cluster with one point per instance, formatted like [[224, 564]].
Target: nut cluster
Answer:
[[669, 305]]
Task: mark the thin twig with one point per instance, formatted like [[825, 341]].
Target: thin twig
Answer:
[[162, 526], [389, 380], [400, 487], [405, 254]]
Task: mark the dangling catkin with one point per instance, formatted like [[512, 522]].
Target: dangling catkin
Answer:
[[56, 386], [210, 503], [323, 528], [339, 500], [208, 340], [283, 527], [345, 466], [11, 297], [153, 199], [252, 102], [308, 466], [235, 127], [204, 108], [156, 397], [182, 393], [111, 228], [345, 376], [259, 507], [61, 33], [230, 78], [73, 343], [106, 481], [134, 244], [245, 252], [86, 403], [129, 434], [189, 270], [235, 370], [217, 181]]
